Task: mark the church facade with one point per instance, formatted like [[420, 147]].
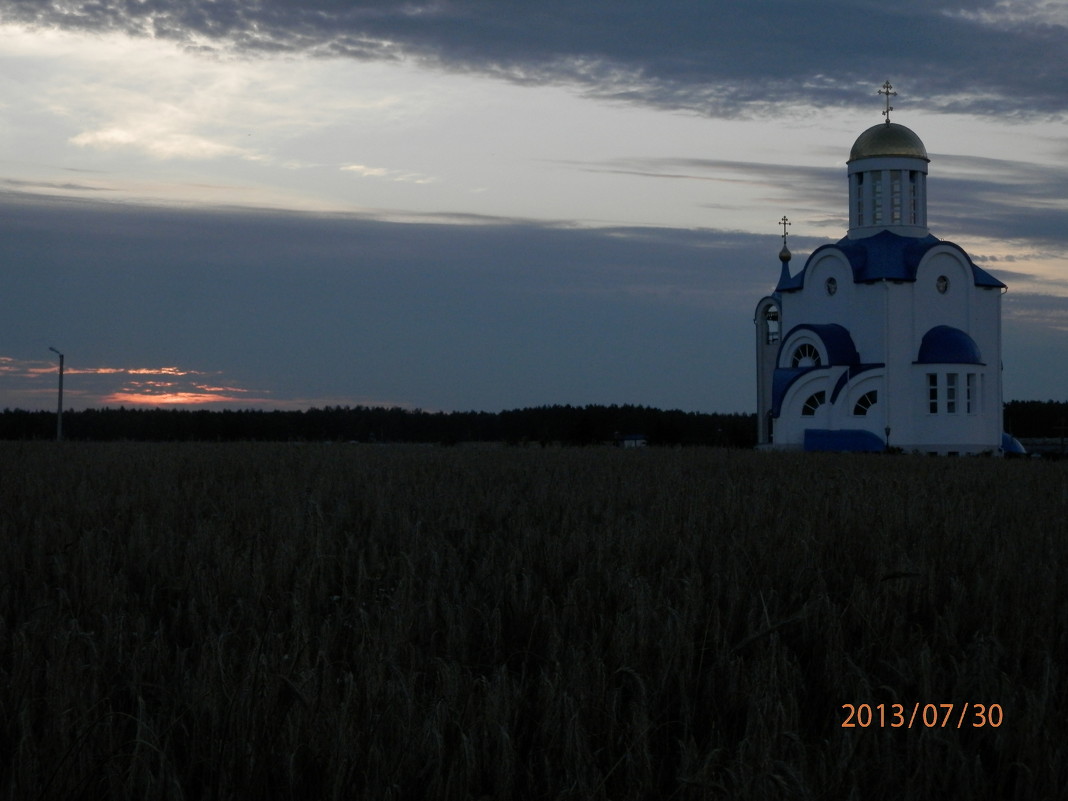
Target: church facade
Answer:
[[889, 337]]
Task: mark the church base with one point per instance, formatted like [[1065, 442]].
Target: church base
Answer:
[[843, 440], [861, 441]]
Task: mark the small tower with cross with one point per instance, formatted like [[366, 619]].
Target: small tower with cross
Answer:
[[889, 337], [785, 252]]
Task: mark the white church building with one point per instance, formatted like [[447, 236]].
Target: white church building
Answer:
[[889, 337]]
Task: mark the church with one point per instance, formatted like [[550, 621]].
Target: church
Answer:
[[889, 338]]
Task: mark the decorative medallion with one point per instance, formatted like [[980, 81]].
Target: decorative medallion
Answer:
[[942, 284], [832, 286]]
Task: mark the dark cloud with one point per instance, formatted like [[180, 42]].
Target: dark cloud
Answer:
[[1035, 306], [47, 186], [697, 169], [1006, 199], [1013, 200], [716, 57], [1035, 338], [460, 312], [488, 314], [791, 187]]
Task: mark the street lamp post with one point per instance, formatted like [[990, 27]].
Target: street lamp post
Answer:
[[59, 410]]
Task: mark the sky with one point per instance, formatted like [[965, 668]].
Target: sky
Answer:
[[489, 204]]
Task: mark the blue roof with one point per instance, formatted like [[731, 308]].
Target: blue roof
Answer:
[[836, 341], [944, 344], [781, 380], [885, 255]]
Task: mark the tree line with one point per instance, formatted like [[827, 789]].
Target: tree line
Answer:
[[542, 425], [1036, 419], [557, 424]]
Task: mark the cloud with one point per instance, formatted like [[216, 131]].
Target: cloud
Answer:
[[447, 299], [813, 190], [487, 314], [1044, 311], [263, 309], [391, 175], [1001, 199], [1019, 204], [1025, 13], [89, 386], [718, 58], [177, 398], [156, 141], [764, 173], [49, 186]]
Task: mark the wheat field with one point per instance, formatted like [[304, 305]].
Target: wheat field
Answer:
[[273, 621]]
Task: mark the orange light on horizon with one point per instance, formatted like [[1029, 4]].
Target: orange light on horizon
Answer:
[[150, 384], [94, 370], [169, 398], [168, 385], [162, 371], [207, 388]]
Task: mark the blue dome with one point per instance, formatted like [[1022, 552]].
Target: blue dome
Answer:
[[1009, 444], [944, 344]]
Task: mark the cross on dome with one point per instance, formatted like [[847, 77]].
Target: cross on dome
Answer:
[[886, 90], [784, 254]]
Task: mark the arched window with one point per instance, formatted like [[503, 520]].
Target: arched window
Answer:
[[813, 403], [912, 198], [771, 320], [877, 198], [860, 199], [805, 355], [865, 402]]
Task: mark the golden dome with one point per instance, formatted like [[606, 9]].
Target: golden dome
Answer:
[[888, 139]]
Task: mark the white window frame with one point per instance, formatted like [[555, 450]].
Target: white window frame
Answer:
[[817, 399], [869, 407]]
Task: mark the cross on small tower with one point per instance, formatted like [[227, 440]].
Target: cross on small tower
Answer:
[[784, 222], [886, 90]]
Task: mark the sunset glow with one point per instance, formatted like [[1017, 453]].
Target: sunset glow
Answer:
[[485, 206], [109, 386], [171, 398]]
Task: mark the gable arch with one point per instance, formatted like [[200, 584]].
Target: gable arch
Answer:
[[946, 257], [863, 398], [832, 342], [945, 286], [827, 264], [808, 389]]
